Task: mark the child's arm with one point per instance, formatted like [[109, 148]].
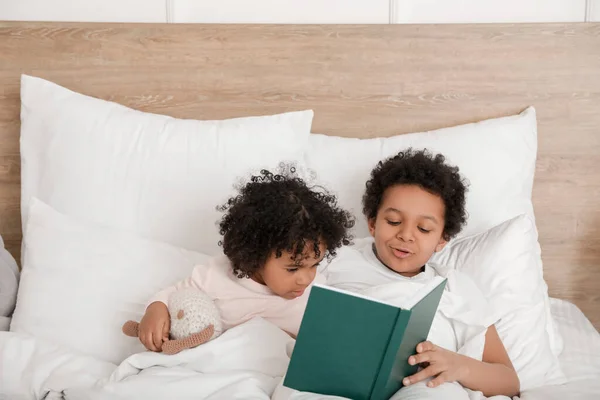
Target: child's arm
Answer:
[[193, 281], [156, 324], [495, 375]]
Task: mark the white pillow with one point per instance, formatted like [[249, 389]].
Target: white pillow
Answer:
[[80, 283], [496, 156], [502, 262], [9, 282], [153, 175]]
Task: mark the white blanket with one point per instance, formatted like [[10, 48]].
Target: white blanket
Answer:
[[31, 368], [255, 356], [246, 362]]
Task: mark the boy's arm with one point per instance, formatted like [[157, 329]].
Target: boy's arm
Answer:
[[494, 375]]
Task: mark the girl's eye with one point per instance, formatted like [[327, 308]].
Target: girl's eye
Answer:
[[393, 223], [292, 270], [424, 230]]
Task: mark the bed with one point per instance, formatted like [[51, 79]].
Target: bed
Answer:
[[362, 82]]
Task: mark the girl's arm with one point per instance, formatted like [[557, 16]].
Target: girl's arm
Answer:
[[156, 324], [495, 375], [195, 280]]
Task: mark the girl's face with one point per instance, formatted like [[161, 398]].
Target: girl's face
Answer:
[[289, 278], [408, 228]]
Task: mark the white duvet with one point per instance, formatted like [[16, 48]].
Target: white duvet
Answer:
[[247, 362]]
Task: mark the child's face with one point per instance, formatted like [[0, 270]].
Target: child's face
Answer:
[[408, 228], [289, 278]]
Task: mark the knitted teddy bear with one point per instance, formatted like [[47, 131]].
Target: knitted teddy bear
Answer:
[[195, 320]]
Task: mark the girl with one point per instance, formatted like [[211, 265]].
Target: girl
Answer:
[[275, 233], [415, 203]]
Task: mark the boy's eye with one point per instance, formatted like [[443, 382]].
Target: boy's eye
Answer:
[[393, 223], [424, 230]]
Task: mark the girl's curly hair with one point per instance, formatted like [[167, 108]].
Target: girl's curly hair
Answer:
[[430, 172], [274, 213]]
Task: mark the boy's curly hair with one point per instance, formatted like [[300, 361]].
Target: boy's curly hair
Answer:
[[430, 172], [278, 212]]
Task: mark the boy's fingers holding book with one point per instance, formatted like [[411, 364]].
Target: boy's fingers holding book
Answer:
[[425, 346], [419, 358], [441, 378], [428, 372]]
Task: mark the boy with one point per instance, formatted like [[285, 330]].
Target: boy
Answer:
[[415, 203]]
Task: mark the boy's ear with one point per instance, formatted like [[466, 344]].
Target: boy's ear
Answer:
[[441, 244], [371, 223]]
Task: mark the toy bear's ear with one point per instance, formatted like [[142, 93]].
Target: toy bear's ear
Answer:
[[130, 328], [175, 346]]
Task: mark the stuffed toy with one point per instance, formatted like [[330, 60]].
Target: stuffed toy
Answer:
[[195, 320]]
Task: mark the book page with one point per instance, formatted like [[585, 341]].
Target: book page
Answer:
[[409, 303], [354, 294], [406, 303]]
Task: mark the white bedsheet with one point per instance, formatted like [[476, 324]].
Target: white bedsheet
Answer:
[[246, 362], [580, 359]]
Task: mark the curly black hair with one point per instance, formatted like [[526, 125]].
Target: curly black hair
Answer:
[[431, 173], [279, 212]]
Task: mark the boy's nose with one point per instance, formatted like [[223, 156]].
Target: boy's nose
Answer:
[[405, 234]]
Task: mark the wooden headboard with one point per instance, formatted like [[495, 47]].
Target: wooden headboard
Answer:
[[362, 81]]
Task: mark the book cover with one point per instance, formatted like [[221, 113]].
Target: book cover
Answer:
[[358, 347]]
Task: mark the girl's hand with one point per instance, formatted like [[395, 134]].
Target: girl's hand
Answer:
[[444, 365], [155, 326]]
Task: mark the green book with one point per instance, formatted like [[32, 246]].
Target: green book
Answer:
[[357, 347]]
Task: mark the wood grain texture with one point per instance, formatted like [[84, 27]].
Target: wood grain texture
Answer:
[[362, 81]]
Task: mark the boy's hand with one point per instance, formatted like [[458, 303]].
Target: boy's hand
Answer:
[[444, 365], [155, 326]]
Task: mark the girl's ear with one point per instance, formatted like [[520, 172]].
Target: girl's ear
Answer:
[[441, 244], [371, 223], [257, 276]]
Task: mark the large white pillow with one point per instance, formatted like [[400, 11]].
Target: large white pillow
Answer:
[[80, 282], [496, 156], [150, 174], [502, 262]]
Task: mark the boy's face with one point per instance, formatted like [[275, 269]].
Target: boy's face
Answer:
[[408, 228], [289, 278]]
